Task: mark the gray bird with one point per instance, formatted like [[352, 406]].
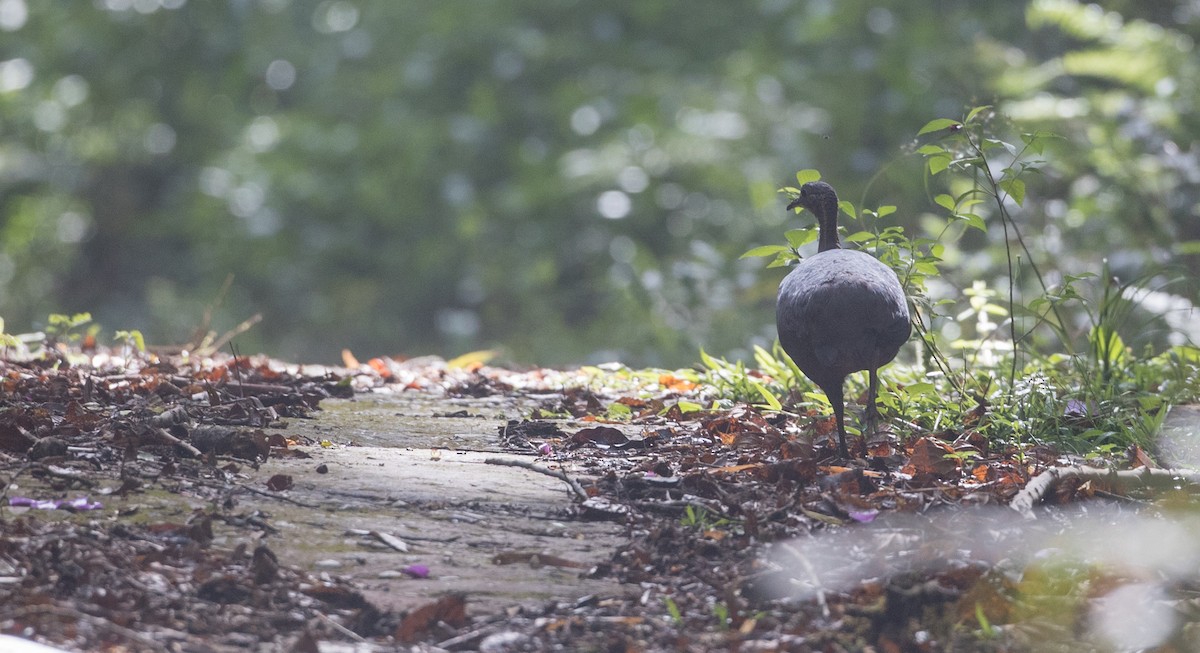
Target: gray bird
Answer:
[[839, 311]]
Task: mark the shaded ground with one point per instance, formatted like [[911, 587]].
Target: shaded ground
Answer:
[[232, 519]]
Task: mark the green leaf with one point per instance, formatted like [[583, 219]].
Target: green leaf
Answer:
[[937, 125], [1015, 189], [921, 389], [798, 238], [767, 396], [686, 407], [925, 267], [673, 609], [938, 163], [133, 338], [782, 260], [931, 149], [618, 411], [944, 201], [805, 176], [973, 220], [859, 236], [886, 210], [764, 250], [974, 112], [992, 143], [848, 208]]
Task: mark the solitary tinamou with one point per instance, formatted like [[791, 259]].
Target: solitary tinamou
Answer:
[[839, 311]]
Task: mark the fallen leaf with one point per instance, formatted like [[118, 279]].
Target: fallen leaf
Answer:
[[279, 483], [601, 436], [450, 609], [928, 460]]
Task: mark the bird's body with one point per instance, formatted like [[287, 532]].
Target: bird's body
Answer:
[[839, 311]]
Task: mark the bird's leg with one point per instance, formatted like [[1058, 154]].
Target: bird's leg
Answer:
[[871, 414], [839, 412]]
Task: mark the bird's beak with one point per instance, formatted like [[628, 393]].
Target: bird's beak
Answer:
[[794, 203]]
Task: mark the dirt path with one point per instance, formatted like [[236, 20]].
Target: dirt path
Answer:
[[501, 535]]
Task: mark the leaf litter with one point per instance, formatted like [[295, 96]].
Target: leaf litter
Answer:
[[744, 529]]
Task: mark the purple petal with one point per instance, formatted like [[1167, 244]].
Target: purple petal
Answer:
[[416, 571], [864, 516], [83, 503]]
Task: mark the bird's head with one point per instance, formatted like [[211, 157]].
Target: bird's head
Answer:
[[818, 197]]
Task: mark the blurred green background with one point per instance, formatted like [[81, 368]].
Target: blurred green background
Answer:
[[570, 181]]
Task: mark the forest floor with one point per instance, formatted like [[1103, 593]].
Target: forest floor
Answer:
[[244, 504]]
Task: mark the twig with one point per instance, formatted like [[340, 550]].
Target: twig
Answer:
[[576, 488], [166, 435], [145, 642], [1041, 485], [236, 331], [201, 332], [273, 495], [340, 628]]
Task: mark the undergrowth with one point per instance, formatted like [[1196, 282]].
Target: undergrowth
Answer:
[[1043, 366]]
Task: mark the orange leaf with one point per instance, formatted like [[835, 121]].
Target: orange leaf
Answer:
[[380, 366], [675, 384], [983, 473]]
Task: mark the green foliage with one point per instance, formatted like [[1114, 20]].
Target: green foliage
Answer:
[[131, 338], [618, 412], [1017, 364], [673, 610], [65, 328], [701, 519], [6, 339], [571, 183]]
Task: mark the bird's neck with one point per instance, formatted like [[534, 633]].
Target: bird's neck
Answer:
[[827, 230]]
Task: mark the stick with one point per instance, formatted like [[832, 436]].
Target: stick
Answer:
[[206, 319], [146, 641], [166, 435], [340, 628], [1039, 486], [274, 495], [236, 331], [576, 488]]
